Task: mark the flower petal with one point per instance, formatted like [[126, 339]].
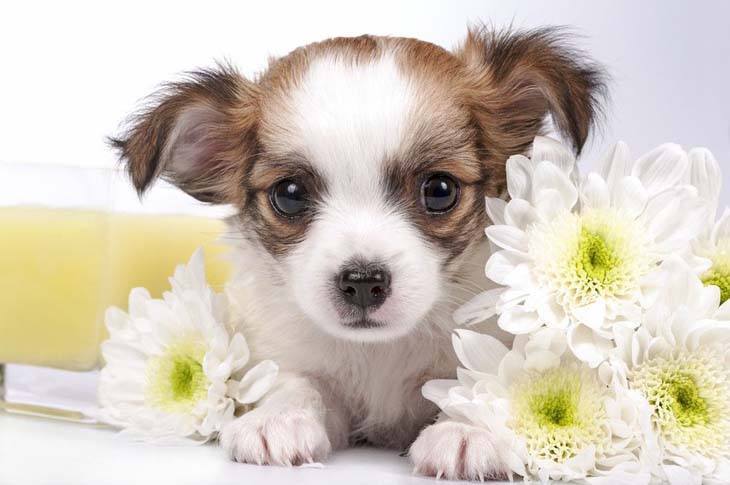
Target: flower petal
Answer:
[[238, 349], [584, 461], [705, 174], [549, 203], [518, 321], [673, 217], [477, 351], [256, 382], [677, 475], [138, 298], [469, 378], [616, 165], [710, 333], [549, 177], [549, 149], [495, 209], [630, 196], [661, 168], [507, 237], [723, 313], [721, 230], [541, 360], [116, 320], [481, 307], [510, 367], [594, 192], [519, 213], [587, 345], [437, 390], [591, 315], [501, 264], [519, 176]]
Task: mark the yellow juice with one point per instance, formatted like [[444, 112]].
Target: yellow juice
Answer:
[[60, 269]]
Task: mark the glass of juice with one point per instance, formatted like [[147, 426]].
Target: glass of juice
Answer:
[[73, 241]]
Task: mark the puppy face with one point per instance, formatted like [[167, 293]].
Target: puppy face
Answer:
[[360, 166]]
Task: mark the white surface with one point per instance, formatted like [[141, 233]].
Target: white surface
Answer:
[[38, 452], [72, 71]]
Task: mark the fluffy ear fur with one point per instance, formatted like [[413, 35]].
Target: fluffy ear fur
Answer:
[[198, 134], [518, 78]]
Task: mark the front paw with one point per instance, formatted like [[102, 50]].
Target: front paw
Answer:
[[457, 451], [290, 437]]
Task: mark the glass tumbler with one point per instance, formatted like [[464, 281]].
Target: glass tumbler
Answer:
[[73, 241]]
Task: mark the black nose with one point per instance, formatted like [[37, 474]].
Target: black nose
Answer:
[[364, 285]]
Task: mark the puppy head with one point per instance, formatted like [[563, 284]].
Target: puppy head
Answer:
[[360, 165]]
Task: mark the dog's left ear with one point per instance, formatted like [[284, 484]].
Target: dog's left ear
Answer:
[[516, 79]]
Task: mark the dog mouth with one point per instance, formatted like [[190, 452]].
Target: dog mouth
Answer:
[[362, 323], [358, 318]]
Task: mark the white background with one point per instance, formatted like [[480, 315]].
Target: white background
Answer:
[[71, 72]]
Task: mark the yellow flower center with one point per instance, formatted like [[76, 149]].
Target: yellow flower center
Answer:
[[554, 408], [719, 275], [685, 401], [176, 380], [583, 257], [559, 412], [184, 376], [595, 259], [689, 395]]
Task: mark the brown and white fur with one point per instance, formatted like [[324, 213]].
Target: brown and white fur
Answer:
[[361, 123]]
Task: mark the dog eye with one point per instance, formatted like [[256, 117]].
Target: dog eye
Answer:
[[439, 193], [289, 198]]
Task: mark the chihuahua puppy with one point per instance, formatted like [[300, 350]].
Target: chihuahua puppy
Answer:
[[358, 168]]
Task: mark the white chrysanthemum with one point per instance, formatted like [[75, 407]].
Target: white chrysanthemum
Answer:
[[599, 253], [556, 418], [713, 243], [577, 255], [678, 360], [171, 368]]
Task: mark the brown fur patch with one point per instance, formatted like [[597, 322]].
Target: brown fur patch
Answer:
[[451, 151], [275, 233], [516, 79], [285, 72], [278, 233], [219, 146], [454, 230]]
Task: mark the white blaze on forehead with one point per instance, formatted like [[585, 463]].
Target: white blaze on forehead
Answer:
[[347, 118]]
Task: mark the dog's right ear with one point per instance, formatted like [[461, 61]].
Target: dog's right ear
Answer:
[[198, 134]]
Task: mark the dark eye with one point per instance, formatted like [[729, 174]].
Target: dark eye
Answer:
[[289, 198], [439, 193]]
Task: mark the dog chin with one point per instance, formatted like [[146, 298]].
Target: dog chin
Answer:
[[367, 330]]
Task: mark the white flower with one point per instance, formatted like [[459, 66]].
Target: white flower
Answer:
[[555, 417], [712, 246], [171, 369], [678, 360], [576, 256]]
